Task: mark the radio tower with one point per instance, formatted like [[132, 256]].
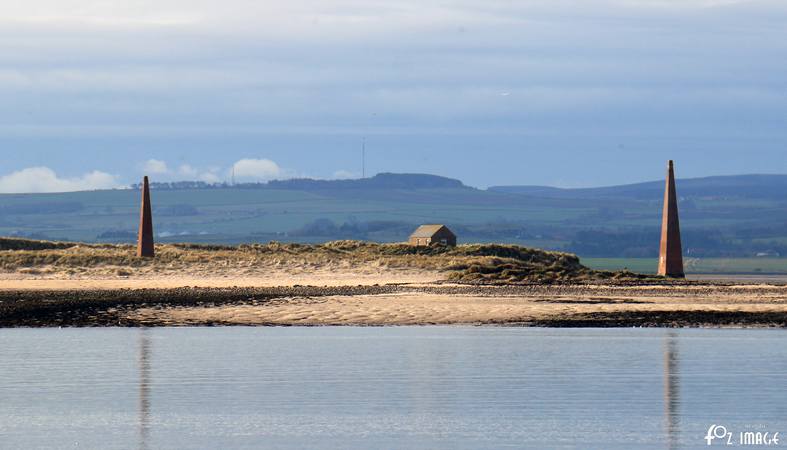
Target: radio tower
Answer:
[[363, 159]]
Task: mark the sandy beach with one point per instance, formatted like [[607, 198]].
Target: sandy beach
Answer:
[[268, 278], [360, 284], [537, 305], [346, 299]]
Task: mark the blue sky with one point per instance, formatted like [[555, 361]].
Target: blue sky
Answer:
[[555, 92]]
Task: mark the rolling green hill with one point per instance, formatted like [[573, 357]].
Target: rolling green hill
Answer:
[[722, 216], [739, 186]]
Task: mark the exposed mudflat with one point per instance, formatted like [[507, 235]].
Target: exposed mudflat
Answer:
[[705, 304]]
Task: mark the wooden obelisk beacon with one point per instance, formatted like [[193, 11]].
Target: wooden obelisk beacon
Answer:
[[145, 247], [671, 254]]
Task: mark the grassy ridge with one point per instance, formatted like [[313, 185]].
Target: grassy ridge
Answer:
[[466, 263], [474, 263]]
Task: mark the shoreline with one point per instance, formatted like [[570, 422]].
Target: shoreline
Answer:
[[690, 304], [353, 283]]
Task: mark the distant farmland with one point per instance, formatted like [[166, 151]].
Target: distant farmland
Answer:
[[618, 222]]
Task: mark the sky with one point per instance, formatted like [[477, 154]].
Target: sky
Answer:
[[97, 93]]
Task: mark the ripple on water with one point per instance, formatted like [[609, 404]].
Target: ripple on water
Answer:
[[407, 387]]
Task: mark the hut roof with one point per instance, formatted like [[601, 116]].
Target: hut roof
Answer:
[[427, 231]]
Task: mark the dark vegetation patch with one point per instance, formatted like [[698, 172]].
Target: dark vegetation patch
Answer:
[[7, 243], [666, 319], [594, 301]]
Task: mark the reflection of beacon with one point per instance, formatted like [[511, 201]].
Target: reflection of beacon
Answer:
[[144, 389], [672, 391]]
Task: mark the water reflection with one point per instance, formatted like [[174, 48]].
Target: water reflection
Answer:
[[672, 390], [424, 387], [144, 388]]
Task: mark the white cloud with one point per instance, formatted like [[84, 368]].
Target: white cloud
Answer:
[[44, 179], [192, 173], [344, 175], [210, 177], [156, 167], [184, 172], [187, 170], [257, 170]]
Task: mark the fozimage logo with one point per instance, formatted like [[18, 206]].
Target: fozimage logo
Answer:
[[718, 434]]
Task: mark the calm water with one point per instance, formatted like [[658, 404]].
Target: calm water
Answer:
[[391, 388]]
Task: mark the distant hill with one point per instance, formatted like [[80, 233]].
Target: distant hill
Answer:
[[379, 181], [721, 216], [738, 186]]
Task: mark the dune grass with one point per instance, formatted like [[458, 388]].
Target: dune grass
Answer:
[[471, 263]]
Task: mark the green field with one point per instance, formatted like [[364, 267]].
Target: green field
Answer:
[[247, 215], [623, 224], [229, 215], [721, 266]]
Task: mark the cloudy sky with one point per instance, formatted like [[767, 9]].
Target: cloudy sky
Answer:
[[567, 93]]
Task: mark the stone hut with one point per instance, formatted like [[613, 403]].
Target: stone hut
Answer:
[[427, 235]]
